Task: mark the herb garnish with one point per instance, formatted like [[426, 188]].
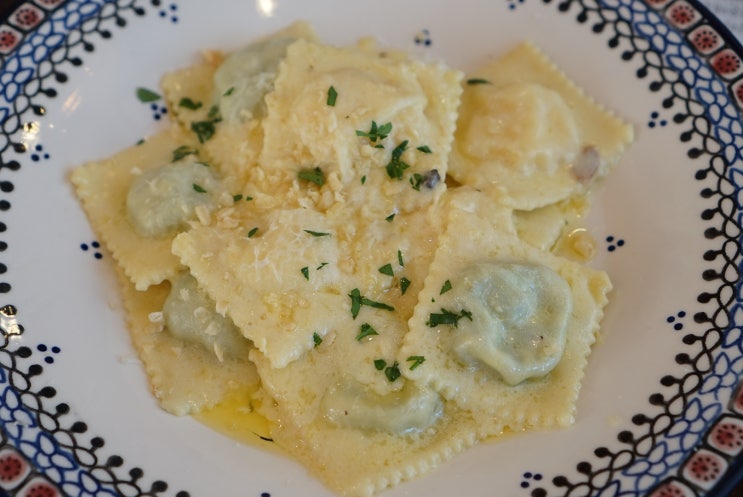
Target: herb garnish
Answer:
[[146, 96], [313, 175], [187, 103], [357, 300], [387, 269], [237, 198], [390, 218], [425, 149], [316, 339], [478, 81], [252, 232], [447, 317], [332, 96], [404, 284], [391, 372], [396, 166], [415, 361], [399, 258], [229, 91], [376, 133], [317, 233], [445, 287], [305, 272], [183, 151], [204, 129], [366, 330], [198, 188]]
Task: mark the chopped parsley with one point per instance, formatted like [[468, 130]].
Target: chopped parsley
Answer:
[[317, 233], [146, 96], [376, 132], [363, 179], [425, 149], [316, 339], [305, 272], [312, 175], [391, 372], [322, 265], [447, 317], [415, 361], [445, 287], [237, 198], [187, 103], [229, 91], [357, 300], [387, 269], [390, 218], [366, 330], [183, 151], [404, 284], [399, 258], [204, 129], [396, 166], [198, 188], [478, 81], [429, 180], [252, 232], [332, 96]]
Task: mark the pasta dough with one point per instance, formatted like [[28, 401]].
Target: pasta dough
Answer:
[[381, 257]]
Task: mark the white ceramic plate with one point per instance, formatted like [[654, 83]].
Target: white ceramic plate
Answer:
[[661, 409]]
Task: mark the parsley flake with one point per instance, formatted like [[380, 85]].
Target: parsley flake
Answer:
[[387, 269], [183, 151], [317, 233], [237, 198], [146, 96], [316, 339], [198, 188], [445, 287], [252, 232], [396, 166], [404, 284], [392, 372], [376, 132], [390, 218], [204, 129], [478, 81], [379, 364], [447, 317], [312, 175], [187, 103], [332, 96], [425, 149], [415, 361], [305, 272], [366, 330], [229, 91], [399, 258], [357, 300]]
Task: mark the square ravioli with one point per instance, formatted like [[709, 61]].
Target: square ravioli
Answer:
[[530, 133], [103, 186], [378, 123], [505, 328]]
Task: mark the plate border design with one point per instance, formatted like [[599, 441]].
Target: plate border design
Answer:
[[19, 365]]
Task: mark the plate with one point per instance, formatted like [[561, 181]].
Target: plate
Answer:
[[661, 407]]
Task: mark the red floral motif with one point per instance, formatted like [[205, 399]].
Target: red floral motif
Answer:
[[13, 468], [682, 14], [726, 63], [705, 39], [26, 16], [727, 436], [39, 487], [672, 488], [704, 468], [9, 39]]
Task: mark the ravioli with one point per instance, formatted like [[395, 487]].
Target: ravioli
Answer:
[[496, 402], [103, 186], [529, 133], [388, 125], [384, 260]]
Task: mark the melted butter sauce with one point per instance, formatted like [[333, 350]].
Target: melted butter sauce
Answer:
[[235, 418]]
